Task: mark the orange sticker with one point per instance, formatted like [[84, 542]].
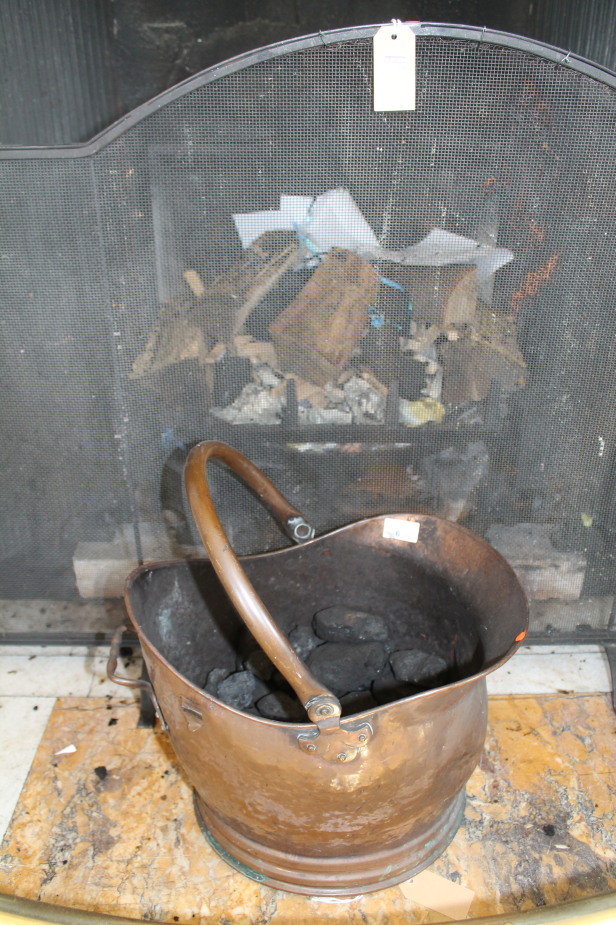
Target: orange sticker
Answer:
[[520, 636]]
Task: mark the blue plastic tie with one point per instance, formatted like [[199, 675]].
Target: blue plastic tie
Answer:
[[305, 240], [394, 285], [170, 441], [377, 319]]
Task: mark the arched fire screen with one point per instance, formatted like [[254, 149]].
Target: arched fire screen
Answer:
[[386, 311]]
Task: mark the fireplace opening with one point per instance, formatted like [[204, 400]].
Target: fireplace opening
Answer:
[[386, 311]]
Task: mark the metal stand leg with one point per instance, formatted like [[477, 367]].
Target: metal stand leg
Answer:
[[610, 651], [147, 714]]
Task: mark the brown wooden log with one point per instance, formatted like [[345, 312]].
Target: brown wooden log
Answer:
[[443, 295], [470, 365], [177, 335], [229, 300], [439, 295], [318, 331], [187, 326]]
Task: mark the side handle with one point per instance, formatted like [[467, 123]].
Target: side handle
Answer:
[[140, 685]]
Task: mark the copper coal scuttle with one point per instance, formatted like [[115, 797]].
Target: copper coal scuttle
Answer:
[[327, 803]]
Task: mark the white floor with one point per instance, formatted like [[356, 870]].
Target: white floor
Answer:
[[32, 677]]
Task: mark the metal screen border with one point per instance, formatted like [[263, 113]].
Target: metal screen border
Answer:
[[473, 34], [477, 34]]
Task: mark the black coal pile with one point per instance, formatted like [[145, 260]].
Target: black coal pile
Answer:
[[364, 659]]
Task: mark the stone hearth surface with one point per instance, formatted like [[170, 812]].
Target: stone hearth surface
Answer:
[[105, 822]]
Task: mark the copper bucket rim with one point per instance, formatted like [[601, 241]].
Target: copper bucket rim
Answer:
[[355, 717]]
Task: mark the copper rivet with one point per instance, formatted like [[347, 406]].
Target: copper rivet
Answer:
[[341, 757], [362, 737], [311, 747]]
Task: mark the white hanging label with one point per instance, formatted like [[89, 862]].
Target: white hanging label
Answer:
[[393, 50], [405, 530]]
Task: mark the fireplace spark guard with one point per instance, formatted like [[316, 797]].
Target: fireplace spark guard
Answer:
[[385, 311]]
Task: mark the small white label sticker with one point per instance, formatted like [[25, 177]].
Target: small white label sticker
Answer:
[[405, 530], [393, 55]]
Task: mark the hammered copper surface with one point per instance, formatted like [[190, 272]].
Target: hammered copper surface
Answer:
[[376, 812]]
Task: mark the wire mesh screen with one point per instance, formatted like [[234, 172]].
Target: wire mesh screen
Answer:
[[387, 312]]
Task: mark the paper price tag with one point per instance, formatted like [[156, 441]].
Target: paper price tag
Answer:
[[393, 51], [405, 530]]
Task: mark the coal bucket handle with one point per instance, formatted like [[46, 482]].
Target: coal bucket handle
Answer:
[[322, 706], [143, 686]]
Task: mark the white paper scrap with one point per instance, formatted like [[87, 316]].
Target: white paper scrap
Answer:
[[335, 220], [293, 211], [440, 248], [438, 893], [406, 530], [68, 750], [393, 58]]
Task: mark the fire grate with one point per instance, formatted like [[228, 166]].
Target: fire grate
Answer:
[[384, 311]]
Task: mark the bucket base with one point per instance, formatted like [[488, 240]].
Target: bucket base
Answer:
[[342, 876]]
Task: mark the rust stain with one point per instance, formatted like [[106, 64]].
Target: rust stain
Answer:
[[533, 281], [536, 230], [524, 222], [531, 88], [542, 112]]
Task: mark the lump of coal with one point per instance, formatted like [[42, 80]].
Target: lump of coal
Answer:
[[259, 664], [419, 668], [282, 707], [240, 690], [344, 624], [344, 667], [387, 688], [303, 641], [215, 676], [357, 702]]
